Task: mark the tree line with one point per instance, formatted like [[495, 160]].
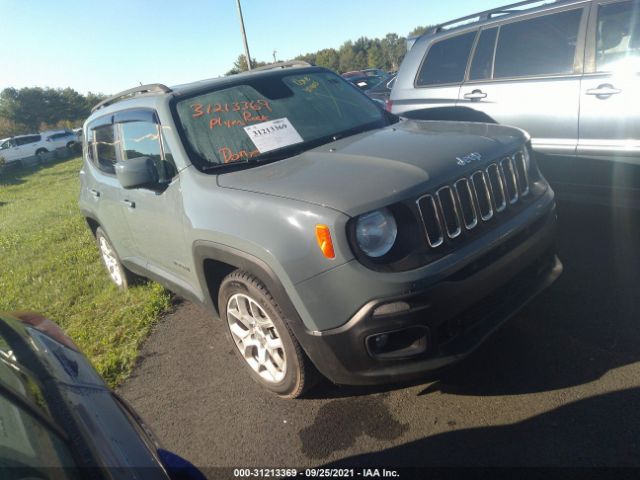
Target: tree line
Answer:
[[33, 109], [384, 53]]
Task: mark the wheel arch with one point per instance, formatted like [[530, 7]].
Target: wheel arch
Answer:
[[215, 261], [92, 223]]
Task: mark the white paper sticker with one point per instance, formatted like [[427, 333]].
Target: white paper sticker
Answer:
[[273, 134], [362, 84]]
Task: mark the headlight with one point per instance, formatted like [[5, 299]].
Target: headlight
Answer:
[[376, 232]]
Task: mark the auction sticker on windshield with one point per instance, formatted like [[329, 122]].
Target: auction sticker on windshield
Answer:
[[273, 134]]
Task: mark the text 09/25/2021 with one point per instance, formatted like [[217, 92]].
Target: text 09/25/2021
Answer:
[[315, 473]]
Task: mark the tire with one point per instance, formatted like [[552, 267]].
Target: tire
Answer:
[[40, 153], [118, 274], [282, 368]]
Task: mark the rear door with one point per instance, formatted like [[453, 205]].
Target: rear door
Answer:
[[526, 72], [101, 190], [610, 92], [439, 77]]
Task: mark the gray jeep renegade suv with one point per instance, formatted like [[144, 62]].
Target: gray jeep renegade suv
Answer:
[[327, 233]]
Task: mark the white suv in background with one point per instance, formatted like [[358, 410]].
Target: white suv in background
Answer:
[[60, 138], [23, 146]]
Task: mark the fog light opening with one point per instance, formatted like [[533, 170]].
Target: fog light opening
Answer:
[[404, 343]]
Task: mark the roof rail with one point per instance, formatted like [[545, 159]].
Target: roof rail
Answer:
[[274, 66], [488, 14], [142, 89]]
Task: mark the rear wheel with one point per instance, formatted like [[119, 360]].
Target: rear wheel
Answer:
[[261, 338], [117, 272]]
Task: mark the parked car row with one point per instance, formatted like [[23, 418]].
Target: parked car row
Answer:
[[22, 146]]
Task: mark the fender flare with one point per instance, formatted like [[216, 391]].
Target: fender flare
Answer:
[[207, 250]]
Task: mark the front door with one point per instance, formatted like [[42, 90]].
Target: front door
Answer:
[[155, 215], [9, 151]]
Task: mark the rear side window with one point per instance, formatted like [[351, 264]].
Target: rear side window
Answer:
[[28, 140], [446, 61], [483, 56], [618, 37], [540, 46], [106, 146]]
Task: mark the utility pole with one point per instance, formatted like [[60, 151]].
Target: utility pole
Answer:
[[274, 56], [244, 36]]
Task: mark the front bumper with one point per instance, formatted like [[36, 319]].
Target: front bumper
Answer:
[[457, 313]]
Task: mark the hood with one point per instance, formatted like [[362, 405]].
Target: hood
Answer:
[[380, 167]]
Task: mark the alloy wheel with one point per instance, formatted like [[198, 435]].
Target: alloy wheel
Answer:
[[256, 337], [111, 261]]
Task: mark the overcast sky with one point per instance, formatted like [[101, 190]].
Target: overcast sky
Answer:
[[108, 46]]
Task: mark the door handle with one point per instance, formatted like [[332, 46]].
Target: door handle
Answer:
[[604, 91], [129, 203], [475, 95], [95, 193]]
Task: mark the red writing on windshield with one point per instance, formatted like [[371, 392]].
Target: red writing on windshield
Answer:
[[248, 117], [199, 110], [229, 155]]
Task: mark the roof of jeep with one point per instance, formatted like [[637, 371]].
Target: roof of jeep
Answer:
[[123, 99], [193, 87]]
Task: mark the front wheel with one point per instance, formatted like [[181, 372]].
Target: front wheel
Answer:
[[117, 272], [41, 153], [262, 339]]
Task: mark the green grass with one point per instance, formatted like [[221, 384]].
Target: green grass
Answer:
[[50, 264]]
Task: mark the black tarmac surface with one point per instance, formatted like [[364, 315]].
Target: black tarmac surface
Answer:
[[559, 385]]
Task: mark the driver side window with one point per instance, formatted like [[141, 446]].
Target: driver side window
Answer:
[[143, 139]]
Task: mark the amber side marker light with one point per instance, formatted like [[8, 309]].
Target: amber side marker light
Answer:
[[323, 236]]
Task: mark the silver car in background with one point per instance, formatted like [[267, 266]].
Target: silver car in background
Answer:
[[568, 72]]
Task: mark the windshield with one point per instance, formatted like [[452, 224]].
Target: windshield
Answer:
[[366, 83], [287, 113]]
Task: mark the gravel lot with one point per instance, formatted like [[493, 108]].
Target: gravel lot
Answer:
[[559, 385]]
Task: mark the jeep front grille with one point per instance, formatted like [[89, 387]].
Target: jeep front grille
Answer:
[[473, 200]]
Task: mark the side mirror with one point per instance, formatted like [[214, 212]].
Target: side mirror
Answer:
[[137, 172]]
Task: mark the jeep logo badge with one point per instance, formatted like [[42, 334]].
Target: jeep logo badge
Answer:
[[467, 159]]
